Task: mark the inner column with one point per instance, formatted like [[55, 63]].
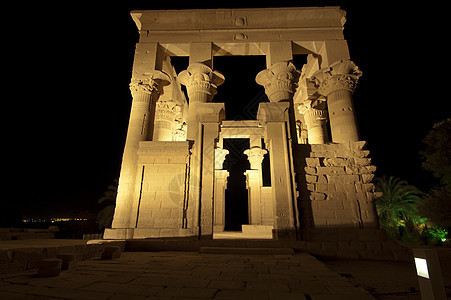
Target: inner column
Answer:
[[236, 195]]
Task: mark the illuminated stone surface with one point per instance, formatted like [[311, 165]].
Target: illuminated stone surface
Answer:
[[173, 181], [176, 275]]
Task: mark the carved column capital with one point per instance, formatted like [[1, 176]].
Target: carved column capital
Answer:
[[201, 82], [341, 75], [314, 115], [152, 82], [255, 156], [165, 110], [220, 155], [280, 81]]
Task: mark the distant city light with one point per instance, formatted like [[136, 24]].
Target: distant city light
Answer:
[[52, 220]]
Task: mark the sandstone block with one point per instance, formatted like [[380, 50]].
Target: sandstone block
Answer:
[[345, 187], [317, 196], [337, 161], [311, 178], [352, 170], [5, 257], [370, 196], [364, 187], [344, 214], [344, 178], [367, 169], [359, 145], [338, 196], [331, 170], [362, 161], [367, 178], [310, 170], [49, 267], [362, 153], [111, 252], [330, 204], [325, 187], [323, 179], [312, 162], [327, 214], [67, 261]]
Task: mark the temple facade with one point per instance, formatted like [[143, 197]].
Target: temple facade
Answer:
[[173, 181]]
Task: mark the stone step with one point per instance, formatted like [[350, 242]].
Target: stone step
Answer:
[[237, 250], [257, 228]]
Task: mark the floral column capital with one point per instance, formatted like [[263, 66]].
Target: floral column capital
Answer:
[[280, 81], [255, 156], [152, 82], [341, 75], [201, 82]]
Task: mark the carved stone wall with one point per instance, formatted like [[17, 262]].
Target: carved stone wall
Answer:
[[338, 190]]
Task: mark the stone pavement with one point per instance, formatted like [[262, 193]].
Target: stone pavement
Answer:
[[187, 275]]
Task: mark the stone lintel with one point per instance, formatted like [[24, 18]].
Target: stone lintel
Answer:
[[273, 112], [240, 25], [236, 18]]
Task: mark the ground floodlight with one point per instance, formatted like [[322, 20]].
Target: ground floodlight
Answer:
[[422, 267], [430, 278]]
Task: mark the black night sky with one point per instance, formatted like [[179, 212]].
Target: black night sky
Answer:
[[67, 103]]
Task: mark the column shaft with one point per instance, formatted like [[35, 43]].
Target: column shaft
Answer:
[[337, 83], [342, 117], [145, 91], [137, 131]]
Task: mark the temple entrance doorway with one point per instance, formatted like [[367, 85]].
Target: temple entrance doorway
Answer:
[[236, 194]]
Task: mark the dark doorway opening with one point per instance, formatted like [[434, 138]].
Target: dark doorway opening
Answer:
[[240, 93], [266, 168], [236, 196]]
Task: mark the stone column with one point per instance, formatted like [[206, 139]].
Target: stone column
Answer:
[[145, 91], [254, 183], [203, 128], [210, 118], [219, 190], [201, 83], [280, 83], [164, 120], [274, 118], [315, 119], [337, 83]]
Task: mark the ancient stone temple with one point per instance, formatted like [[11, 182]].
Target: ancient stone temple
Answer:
[[173, 182]]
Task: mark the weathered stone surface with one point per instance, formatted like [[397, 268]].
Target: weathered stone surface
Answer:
[[317, 196], [49, 267], [111, 252], [171, 181]]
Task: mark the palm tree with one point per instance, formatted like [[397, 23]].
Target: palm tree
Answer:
[[397, 202]]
